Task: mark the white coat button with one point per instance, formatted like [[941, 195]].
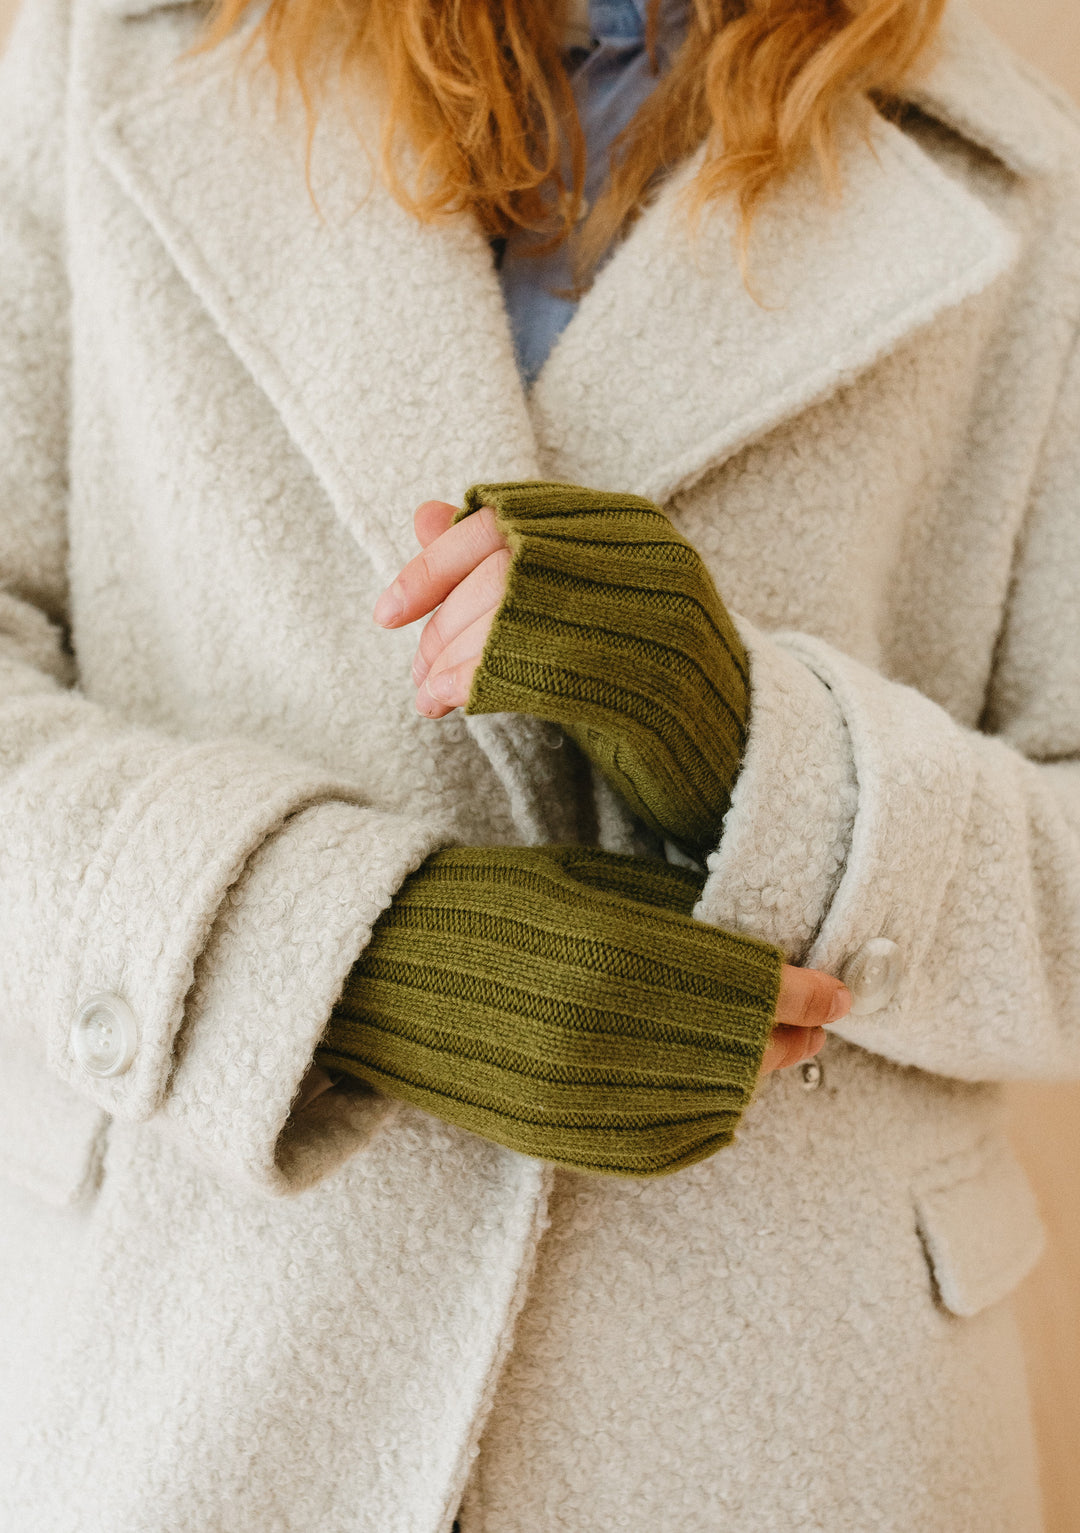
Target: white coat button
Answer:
[[872, 975], [104, 1035], [813, 1075]]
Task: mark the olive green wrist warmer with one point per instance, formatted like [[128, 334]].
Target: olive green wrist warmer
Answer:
[[612, 628], [561, 1001]]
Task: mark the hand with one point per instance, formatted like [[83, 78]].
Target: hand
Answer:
[[586, 608], [809, 1000], [464, 569], [653, 1050]]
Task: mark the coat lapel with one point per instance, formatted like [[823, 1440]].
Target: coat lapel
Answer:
[[382, 343], [672, 363]]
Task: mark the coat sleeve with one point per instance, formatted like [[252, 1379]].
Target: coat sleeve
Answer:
[[214, 892], [865, 811]]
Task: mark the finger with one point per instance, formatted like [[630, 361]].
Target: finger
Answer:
[[791, 1046], [809, 998], [479, 593], [432, 575], [449, 681], [432, 519]]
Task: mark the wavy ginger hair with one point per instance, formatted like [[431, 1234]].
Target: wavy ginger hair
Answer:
[[479, 91]]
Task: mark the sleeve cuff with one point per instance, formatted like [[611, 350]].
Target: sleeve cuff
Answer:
[[149, 896], [284, 941], [231, 890], [787, 833], [845, 832], [916, 772]]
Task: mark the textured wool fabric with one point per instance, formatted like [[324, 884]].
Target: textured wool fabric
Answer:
[[562, 1002], [612, 628], [259, 397]]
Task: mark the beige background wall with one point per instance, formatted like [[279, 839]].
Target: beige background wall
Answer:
[[1046, 1120]]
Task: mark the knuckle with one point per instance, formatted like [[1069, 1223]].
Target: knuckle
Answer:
[[496, 569], [423, 566], [801, 1002], [785, 1045], [486, 531], [431, 640], [818, 998]]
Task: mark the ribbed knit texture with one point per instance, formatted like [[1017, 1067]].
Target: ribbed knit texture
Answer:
[[612, 628], [562, 1002]]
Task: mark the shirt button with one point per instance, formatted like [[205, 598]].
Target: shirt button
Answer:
[[872, 975], [813, 1075], [104, 1035]]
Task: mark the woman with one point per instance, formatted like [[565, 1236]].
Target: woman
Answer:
[[224, 814]]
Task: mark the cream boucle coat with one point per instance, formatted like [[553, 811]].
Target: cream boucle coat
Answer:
[[218, 407]]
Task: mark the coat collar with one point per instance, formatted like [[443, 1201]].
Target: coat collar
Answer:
[[672, 364], [981, 89], [384, 345]]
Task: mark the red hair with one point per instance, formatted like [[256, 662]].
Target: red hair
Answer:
[[479, 92]]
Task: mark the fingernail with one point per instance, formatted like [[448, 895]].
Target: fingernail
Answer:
[[420, 669], [441, 686], [390, 605], [841, 1003]]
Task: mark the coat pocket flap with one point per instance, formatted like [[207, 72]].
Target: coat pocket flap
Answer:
[[979, 1224]]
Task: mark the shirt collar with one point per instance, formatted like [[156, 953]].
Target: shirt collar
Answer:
[[621, 23], [618, 21]]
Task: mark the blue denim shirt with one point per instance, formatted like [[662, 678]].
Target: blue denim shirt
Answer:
[[610, 83]]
